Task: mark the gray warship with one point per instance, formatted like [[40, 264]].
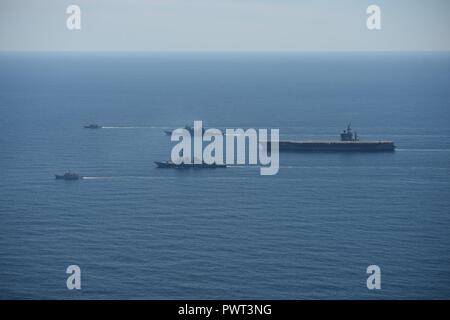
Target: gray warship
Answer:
[[349, 142], [203, 165], [93, 126], [68, 176], [188, 128]]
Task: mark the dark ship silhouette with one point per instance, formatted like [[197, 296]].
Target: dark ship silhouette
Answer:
[[188, 165], [68, 176], [93, 126], [188, 128]]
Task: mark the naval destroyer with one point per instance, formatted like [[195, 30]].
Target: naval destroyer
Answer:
[[183, 165]]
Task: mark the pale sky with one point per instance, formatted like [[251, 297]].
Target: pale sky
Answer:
[[224, 25]]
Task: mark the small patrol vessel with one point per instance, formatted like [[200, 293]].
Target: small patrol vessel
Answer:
[[68, 176], [93, 126]]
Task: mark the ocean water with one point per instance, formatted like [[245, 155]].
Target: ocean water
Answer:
[[138, 232]]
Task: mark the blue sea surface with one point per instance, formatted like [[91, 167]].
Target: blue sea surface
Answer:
[[138, 232]]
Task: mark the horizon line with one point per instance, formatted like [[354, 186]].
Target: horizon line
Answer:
[[224, 51]]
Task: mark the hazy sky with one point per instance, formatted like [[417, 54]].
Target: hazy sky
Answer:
[[224, 25]]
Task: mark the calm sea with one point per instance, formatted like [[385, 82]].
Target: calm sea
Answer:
[[139, 232]]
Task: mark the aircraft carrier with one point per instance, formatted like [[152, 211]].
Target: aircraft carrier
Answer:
[[349, 142]]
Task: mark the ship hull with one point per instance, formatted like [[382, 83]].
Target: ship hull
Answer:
[[170, 165], [62, 177], [336, 146]]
